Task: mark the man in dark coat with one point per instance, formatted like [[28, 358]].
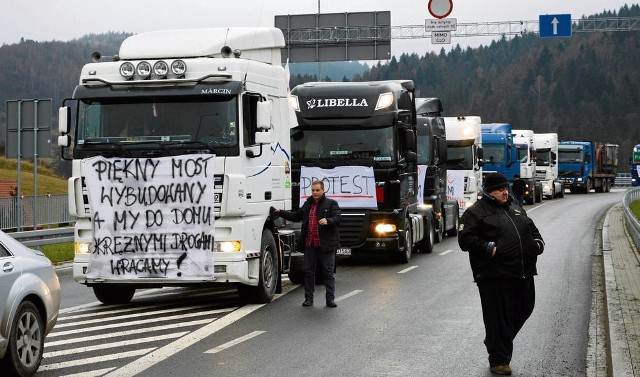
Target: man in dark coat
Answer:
[[320, 218], [503, 245]]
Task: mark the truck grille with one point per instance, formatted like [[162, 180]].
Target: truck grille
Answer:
[[352, 229]]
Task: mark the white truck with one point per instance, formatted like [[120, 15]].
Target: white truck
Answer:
[[180, 145], [546, 146], [464, 159], [523, 140]]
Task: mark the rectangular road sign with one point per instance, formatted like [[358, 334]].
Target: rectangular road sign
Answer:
[[555, 25], [440, 37], [443, 24]]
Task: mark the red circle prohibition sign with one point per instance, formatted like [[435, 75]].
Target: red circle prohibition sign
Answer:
[[440, 8]]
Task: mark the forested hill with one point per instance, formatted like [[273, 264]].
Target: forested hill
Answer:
[[583, 87]]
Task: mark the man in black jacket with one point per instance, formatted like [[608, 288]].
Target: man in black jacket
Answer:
[[503, 245], [320, 218], [518, 188]]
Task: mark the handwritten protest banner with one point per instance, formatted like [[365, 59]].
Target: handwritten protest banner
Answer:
[[350, 186], [455, 186], [152, 217]]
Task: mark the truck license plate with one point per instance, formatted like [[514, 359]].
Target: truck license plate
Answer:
[[343, 251]]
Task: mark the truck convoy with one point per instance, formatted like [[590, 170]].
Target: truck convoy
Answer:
[[180, 147], [524, 142], [464, 158], [586, 165], [361, 137], [635, 166], [432, 167], [546, 146]]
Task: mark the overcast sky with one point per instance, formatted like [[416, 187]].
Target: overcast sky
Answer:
[[64, 20]]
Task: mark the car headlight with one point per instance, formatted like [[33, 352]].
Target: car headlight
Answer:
[[228, 246]]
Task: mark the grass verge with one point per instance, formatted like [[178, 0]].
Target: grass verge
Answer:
[[59, 252]]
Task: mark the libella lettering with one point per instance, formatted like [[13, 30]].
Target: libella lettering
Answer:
[[180, 146]]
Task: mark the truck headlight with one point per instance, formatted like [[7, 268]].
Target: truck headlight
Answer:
[[293, 103], [385, 228], [580, 179], [127, 70], [228, 246], [143, 69], [384, 100], [160, 68], [178, 67], [82, 248]]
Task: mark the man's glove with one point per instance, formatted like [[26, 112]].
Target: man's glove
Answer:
[[273, 212]]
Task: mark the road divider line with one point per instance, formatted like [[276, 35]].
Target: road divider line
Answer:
[[407, 269], [445, 252], [90, 373], [123, 343], [352, 293], [234, 342], [97, 359], [133, 315], [138, 331], [140, 322]]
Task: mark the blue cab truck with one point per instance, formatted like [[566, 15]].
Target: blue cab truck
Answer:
[[635, 165], [586, 165], [499, 151]]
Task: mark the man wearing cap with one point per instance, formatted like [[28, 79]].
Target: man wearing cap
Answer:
[[503, 245]]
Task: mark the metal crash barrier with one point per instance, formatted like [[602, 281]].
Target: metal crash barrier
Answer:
[[633, 225]]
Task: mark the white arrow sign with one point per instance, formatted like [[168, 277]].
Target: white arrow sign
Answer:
[[555, 23]]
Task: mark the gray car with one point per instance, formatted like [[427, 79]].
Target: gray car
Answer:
[[29, 303]]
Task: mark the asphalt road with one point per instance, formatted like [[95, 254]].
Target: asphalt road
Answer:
[[422, 318]]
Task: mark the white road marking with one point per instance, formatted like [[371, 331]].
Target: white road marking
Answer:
[[140, 322], [407, 269], [73, 351], [234, 342], [163, 353], [97, 359], [136, 331], [445, 252], [113, 317], [90, 373], [352, 293]]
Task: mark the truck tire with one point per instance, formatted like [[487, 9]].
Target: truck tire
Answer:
[[426, 245], [456, 224], [405, 255], [296, 270], [269, 273], [439, 229], [111, 295]]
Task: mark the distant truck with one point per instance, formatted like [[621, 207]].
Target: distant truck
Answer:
[[586, 165], [635, 166], [499, 149], [464, 159], [361, 136], [547, 164], [432, 166], [524, 141]]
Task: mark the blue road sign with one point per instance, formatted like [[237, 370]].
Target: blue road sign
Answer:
[[555, 25]]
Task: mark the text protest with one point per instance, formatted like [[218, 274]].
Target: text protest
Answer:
[[350, 186], [151, 217]]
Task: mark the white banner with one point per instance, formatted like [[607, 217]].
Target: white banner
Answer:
[[350, 186], [455, 186], [422, 175], [152, 217]]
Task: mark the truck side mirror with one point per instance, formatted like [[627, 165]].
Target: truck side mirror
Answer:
[[411, 156], [587, 158], [263, 116], [409, 140], [64, 119]]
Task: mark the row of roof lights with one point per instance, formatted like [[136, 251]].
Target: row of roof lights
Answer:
[[160, 69]]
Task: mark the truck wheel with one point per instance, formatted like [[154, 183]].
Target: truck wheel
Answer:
[[25, 343], [426, 245], [111, 295], [296, 270], [405, 256], [268, 280], [456, 224], [440, 227]]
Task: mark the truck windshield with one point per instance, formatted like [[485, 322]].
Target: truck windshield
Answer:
[[543, 158], [493, 153], [372, 144], [163, 119], [523, 152], [460, 158], [570, 157]]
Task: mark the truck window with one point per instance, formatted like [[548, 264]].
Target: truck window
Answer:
[[249, 104], [374, 144], [493, 153]]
